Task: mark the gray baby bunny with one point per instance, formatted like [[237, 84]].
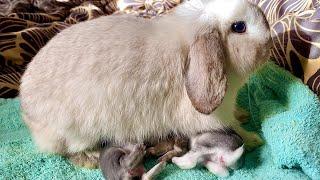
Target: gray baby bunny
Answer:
[[126, 163]]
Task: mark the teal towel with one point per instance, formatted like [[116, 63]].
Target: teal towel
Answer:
[[283, 110]]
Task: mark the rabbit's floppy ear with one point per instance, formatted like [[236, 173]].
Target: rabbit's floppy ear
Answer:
[[205, 78]]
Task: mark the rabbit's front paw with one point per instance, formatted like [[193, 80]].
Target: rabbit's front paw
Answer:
[[85, 159], [217, 169], [252, 141], [135, 157], [241, 115], [183, 163]]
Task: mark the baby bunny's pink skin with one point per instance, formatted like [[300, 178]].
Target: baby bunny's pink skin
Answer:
[[126, 79], [217, 150]]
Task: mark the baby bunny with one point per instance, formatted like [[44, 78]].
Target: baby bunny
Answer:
[[217, 150], [126, 79], [119, 163], [126, 163]]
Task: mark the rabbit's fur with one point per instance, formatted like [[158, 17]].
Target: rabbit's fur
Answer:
[[127, 79]]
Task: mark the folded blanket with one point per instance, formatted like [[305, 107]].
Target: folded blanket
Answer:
[[282, 109]]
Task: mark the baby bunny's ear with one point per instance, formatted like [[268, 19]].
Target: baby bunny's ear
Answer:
[[205, 79]]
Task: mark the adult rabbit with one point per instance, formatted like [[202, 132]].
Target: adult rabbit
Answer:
[[127, 79]]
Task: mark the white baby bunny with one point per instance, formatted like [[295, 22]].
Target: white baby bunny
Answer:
[[126, 79], [217, 150]]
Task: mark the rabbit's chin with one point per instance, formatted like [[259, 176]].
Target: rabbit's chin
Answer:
[[244, 71]]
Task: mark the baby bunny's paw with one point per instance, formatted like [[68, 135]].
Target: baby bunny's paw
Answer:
[[241, 115], [139, 148], [183, 163], [251, 140], [136, 156], [217, 169], [85, 159]]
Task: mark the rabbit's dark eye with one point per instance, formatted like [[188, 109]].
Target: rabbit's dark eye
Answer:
[[239, 27]]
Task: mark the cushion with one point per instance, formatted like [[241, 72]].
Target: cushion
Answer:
[[26, 26], [295, 28]]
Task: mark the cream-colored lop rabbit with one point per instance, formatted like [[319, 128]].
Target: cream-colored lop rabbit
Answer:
[[127, 79]]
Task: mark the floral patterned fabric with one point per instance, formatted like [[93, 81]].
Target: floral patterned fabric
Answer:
[[26, 26], [295, 26]]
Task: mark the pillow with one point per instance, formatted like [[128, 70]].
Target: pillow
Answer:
[[26, 26], [295, 28]]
